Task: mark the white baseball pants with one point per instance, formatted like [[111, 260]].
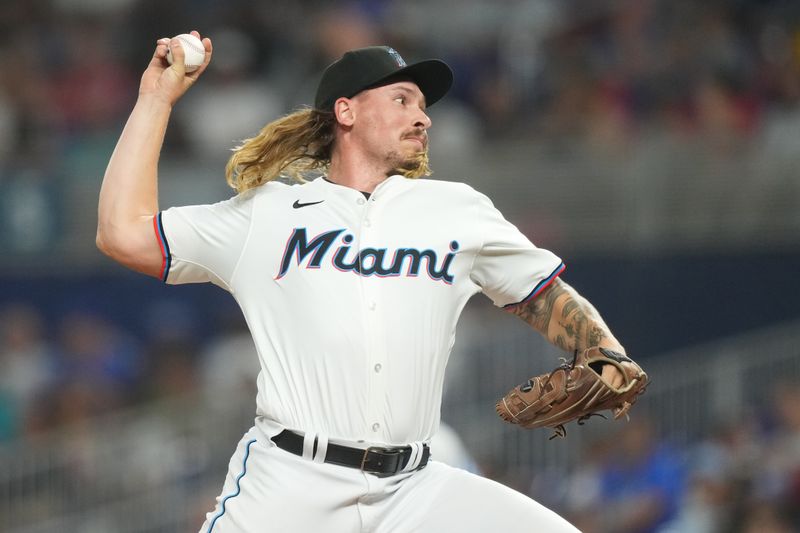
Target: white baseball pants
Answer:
[[269, 490]]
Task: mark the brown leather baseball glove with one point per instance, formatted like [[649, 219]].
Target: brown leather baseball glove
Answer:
[[574, 391]]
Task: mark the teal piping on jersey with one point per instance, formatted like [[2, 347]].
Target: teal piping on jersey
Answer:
[[542, 285], [166, 257], [238, 486]]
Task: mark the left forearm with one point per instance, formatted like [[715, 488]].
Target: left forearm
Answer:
[[567, 319]]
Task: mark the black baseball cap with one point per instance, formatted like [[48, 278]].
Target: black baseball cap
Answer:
[[368, 67]]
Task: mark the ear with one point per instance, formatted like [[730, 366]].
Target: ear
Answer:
[[344, 111]]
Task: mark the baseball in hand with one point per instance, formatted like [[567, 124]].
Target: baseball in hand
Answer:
[[193, 51]]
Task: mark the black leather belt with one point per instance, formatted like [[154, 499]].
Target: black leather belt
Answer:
[[374, 460]]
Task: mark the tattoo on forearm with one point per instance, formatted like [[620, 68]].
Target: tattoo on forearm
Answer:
[[577, 325], [595, 335], [561, 342], [539, 311]]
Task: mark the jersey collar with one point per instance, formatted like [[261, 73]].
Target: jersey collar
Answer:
[[325, 182]]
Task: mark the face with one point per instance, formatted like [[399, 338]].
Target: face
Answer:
[[389, 124]]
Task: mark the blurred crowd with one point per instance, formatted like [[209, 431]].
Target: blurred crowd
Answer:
[[740, 477], [544, 69], [84, 366]]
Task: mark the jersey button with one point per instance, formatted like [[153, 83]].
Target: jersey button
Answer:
[[378, 367], [367, 223], [360, 200], [372, 306], [376, 426]]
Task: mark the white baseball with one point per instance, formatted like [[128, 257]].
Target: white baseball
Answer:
[[193, 51]]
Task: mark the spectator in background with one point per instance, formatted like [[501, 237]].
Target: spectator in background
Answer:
[[98, 361], [173, 369], [229, 362], [26, 364], [582, 491], [90, 88], [169, 358], [779, 478], [766, 518], [642, 482], [233, 102], [721, 469]]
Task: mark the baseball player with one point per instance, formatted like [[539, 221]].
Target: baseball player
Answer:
[[351, 285]]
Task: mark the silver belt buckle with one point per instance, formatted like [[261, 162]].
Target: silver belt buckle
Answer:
[[384, 451]]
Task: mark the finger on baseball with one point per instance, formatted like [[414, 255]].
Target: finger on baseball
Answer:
[[178, 56], [162, 46], [160, 51], [209, 50]]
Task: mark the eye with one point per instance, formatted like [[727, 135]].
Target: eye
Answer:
[[400, 98]]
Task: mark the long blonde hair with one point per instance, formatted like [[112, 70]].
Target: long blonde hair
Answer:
[[293, 146]]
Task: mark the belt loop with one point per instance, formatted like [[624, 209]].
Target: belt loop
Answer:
[[415, 457], [322, 448], [420, 454], [309, 438]]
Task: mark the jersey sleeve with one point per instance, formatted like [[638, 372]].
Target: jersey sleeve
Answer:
[[203, 243], [508, 267]]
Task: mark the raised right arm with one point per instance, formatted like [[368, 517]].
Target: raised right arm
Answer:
[[129, 194]]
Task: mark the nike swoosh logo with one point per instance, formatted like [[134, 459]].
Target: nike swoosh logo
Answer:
[[298, 205]]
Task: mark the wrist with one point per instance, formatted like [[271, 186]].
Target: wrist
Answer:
[[153, 103]]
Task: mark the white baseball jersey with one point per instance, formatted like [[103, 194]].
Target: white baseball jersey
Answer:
[[353, 302]]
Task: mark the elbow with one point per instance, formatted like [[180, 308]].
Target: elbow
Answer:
[[101, 241], [109, 242], [106, 241]]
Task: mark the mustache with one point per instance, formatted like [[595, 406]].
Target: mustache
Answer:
[[420, 134]]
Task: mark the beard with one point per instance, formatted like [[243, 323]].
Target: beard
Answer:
[[410, 166]]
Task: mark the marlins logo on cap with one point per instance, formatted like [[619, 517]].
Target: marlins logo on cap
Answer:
[[364, 68], [398, 59]]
